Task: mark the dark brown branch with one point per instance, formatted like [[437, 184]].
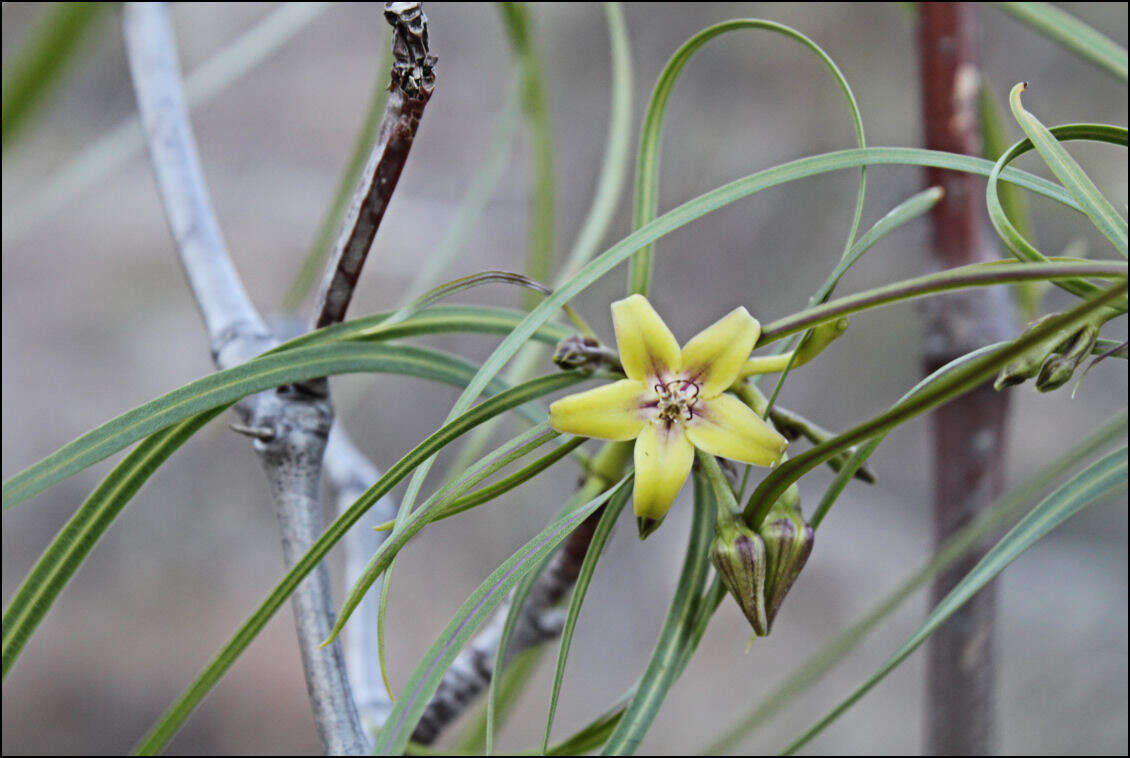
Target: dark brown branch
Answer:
[[969, 433], [413, 79]]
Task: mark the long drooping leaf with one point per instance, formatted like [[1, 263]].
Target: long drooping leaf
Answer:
[[19, 487], [718, 198], [647, 164], [1063, 28], [425, 363], [475, 199], [175, 716], [224, 388], [31, 72], [946, 388], [956, 547], [1070, 174], [82, 531], [662, 669], [614, 167], [1103, 477], [995, 140], [519, 28], [972, 275], [421, 686], [600, 537], [1009, 234]]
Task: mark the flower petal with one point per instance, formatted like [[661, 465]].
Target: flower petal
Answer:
[[611, 412], [714, 356], [663, 459], [648, 350], [727, 427]]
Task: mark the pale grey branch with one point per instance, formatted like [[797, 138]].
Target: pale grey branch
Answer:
[[290, 425]]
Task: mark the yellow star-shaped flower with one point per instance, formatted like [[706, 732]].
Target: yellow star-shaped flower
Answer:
[[673, 401]]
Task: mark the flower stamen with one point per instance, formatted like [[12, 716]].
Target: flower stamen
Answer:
[[677, 400]]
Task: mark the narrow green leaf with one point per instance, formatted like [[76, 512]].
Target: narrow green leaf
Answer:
[[421, 686], [519, 29], [411, 360], [972, 275], [32, 71], [662, 669], [82, 531], [173, 718], [995, 140], [956, 547], [1070, 174], [614, 167], [949, 386], [580, 588], [1009, 234], [1103, 477], [475, 199], [720, 197], [647, 164], [1063, 28], [224, 388]]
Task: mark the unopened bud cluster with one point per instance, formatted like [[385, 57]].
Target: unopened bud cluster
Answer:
[[1053, 362], [759, 567]]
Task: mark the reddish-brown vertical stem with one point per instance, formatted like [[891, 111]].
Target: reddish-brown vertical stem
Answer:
[[969, 433]]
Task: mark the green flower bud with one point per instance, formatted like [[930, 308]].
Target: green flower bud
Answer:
[[1028, 365], [1058, 369], [818, 339], [738, 554], [788, 543]]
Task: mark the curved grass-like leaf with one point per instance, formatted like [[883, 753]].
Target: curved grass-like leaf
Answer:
[[906, 211], [34, 69], [956, 547], [224, 388], [580, 588], [1070, 174], [946, 388], [421, 686], [614, 167], [19, 487], [474, 201], [539, 261], [995, 140], [1009, 234], [82, 531], [515, 603], [647, 164], [227, 385], [178, 712], [1063, 28], [1103, 477], [662, 669], [718, 198], [972, 275]]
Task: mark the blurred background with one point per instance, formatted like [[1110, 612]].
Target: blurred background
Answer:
[[97, 319]]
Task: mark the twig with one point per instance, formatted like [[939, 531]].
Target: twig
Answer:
[[300, 420], [413, 79], [969, 433]]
